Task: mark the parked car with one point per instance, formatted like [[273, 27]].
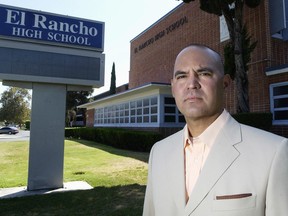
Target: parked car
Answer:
[[9, 130]]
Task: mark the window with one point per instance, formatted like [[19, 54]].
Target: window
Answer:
[[224, 33], [142, 111], [278, 18], [171, 112], [279, 102]]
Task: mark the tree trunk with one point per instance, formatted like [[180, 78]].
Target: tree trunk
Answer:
[[241, 77]]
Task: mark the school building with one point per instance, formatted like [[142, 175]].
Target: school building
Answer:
[[147, 103]]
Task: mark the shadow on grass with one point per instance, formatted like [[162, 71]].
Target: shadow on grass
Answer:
[[142, 156], [100, 201]]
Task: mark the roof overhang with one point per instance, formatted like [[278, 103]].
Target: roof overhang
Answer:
[[141, 91], [277, 70]]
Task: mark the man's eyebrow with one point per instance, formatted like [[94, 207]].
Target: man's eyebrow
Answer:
[[178, 72], [201, 69]]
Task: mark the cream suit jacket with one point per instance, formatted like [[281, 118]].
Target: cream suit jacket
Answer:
[[243, 160]]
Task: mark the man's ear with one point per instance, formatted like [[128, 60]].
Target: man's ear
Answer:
[[226, 81]]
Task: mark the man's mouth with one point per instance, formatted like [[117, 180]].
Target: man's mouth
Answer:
[[192, 99]]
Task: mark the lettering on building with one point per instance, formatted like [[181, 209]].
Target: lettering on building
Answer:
[[174, 26]]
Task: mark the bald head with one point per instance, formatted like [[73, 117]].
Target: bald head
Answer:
[[197, 51]]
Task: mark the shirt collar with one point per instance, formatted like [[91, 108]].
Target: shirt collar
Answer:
[[209, 135]]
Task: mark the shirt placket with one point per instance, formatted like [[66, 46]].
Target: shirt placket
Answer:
[[194, 159]]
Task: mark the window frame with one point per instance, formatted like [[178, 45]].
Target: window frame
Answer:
[[129, 113], [169, 115], [272, 102]]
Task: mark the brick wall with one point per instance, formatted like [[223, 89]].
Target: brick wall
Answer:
[[90, 118], [154, 61], [153, 52]]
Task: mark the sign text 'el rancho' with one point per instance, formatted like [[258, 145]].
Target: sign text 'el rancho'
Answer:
[[46, 27]]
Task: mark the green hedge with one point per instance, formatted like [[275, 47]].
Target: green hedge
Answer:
[[119, 138], [258, 120], [27, 125]]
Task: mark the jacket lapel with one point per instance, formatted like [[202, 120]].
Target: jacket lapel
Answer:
[[220, 158], [175, 170]]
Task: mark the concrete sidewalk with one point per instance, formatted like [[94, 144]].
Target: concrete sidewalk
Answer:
[[22, 191]]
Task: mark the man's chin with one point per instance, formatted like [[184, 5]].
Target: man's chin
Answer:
[[195, 114]]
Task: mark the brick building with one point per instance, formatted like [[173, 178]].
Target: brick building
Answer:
[[152, 55]]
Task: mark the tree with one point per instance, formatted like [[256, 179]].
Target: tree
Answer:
[[248, 47], [15, 105], [74, 99], [70, 117], [232, 10], [113, 80]]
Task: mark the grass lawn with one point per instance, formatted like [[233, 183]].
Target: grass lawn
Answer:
[[118, 178]]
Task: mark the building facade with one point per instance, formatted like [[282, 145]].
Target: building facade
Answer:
[[152, 56]]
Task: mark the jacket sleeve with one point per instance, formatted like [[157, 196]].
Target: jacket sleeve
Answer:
[[277, 190], [148, 209]]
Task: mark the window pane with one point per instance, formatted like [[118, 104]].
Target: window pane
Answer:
[[139, 103], [170, 109], [181, 118], [280, 90], [169, 100], [154, 101], [133, 104], [139, 119], [146, 119], [146, 110], [139, 111], [121, 113], [133, 112], [154, 118], [281, 115], [169, 118], [280, 103], [153, 110], [146, 102]]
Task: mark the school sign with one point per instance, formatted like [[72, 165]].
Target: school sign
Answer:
[[22, 24], [38, 46], [51, 54]]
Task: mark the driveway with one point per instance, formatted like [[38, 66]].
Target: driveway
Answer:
[[21, 136]]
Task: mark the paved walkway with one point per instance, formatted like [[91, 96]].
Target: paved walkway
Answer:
[[22, 191]]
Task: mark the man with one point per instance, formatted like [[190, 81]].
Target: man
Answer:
[[214, 166]]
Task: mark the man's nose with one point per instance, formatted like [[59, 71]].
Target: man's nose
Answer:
[[193, 82]]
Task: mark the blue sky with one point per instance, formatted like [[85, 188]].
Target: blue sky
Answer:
[[123, 19]]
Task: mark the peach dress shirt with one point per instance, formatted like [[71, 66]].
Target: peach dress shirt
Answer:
[[196, 150]]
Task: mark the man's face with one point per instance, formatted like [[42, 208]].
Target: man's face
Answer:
[[198, 84]]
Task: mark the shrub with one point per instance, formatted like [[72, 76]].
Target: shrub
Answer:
[[258, 120], [27, 125], [116, 137]]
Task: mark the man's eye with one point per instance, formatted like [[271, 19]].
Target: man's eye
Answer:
[[180, 77], [205, 73]]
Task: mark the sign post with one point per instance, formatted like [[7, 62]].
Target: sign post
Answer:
[[46, 152]]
